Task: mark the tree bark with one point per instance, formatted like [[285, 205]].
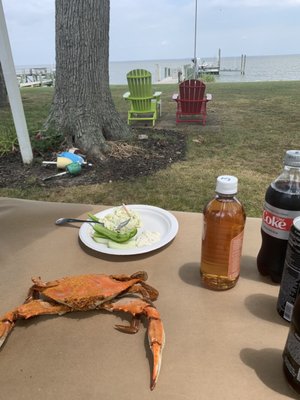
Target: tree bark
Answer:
[[82, 108], [3, 92]]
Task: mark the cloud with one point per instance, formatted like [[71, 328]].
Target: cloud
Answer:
[[159, 31], [31, 30], [165, 30], [32, 12]]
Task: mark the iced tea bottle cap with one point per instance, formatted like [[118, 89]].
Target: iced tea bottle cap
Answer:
[[227, 184], [292, 158]]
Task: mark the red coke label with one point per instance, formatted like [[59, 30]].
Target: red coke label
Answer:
[[277, 222]]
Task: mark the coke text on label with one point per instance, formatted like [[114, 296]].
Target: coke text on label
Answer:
[[277, 222]]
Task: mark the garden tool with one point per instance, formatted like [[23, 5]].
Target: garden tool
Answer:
[[73, 169]]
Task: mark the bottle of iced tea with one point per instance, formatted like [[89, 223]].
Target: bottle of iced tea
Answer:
[[223, 230]]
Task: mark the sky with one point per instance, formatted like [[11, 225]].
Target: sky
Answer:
[[165, 29]]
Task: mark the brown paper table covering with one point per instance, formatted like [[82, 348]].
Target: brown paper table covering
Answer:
[[219, 345]]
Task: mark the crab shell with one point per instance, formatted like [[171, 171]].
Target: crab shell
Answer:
[[89, 292]]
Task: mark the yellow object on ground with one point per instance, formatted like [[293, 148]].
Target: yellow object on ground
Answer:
[[62, 162]]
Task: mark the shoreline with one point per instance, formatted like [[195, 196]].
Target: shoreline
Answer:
[[257, 69]]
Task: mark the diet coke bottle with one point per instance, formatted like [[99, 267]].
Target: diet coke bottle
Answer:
[[282, 205]]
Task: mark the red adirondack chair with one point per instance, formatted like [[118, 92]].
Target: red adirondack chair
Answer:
[[191, 101]]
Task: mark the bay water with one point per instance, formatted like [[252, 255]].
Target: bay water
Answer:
[[257, 68]]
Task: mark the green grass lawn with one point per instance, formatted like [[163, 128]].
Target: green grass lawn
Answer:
[[249, 128]]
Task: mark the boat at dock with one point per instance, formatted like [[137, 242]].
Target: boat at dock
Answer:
[[206, 68]]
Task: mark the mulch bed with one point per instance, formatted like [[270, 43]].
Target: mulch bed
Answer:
[[152, 150]]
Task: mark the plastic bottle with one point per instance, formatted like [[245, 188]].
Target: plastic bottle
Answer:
[[291, 353], [282, 205], [223, 230], [290, 282]]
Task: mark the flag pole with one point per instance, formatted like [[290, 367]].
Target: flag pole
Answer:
[[195, 43]]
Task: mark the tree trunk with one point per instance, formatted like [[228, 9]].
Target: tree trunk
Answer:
[[3, 92], [82, 108]]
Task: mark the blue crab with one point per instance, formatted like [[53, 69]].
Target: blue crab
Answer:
[[127, 293]]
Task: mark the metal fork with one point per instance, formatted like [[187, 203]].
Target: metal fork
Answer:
[[62, 221]]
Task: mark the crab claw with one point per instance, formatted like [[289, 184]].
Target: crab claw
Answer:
[[6, 326], [156, 336]]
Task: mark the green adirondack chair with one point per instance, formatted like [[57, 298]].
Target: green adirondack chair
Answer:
[[144, 104]]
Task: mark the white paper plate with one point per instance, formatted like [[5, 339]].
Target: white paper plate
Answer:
[[154, 219]]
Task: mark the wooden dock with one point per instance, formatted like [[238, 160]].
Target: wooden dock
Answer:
[[36, 77], [188, 71]]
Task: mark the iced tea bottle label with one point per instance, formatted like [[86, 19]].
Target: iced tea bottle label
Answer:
[[235, 256]]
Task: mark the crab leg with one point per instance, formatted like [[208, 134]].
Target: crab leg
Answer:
[[6, 326], [156, 336], [145, 290], [28, 310]]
